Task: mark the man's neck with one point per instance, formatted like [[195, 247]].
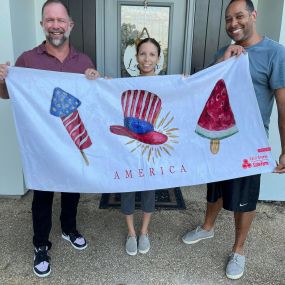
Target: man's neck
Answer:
[[60, 52], [253, 40]]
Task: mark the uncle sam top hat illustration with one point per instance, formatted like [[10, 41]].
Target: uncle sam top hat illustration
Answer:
[[141, 109]]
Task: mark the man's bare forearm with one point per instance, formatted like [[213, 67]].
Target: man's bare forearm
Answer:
[[281, 124], [4, 91], [280, 100]]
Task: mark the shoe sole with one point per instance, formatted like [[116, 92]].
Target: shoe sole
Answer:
[[195, 241], [234, 277], [144, 251], [131, 253], [42, 275], [78, 248]]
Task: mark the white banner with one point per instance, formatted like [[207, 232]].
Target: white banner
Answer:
[[142, 133]]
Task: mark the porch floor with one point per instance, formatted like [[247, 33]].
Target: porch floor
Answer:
[[169, 261]]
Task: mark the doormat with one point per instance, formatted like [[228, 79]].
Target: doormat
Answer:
[[169, 199]]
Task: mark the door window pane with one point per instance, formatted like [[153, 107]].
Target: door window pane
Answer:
[[134, 19]]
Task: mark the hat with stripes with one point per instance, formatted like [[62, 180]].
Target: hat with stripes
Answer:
[[141, 109]]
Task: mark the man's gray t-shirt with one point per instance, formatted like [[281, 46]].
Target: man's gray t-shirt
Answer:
[[267, 69]]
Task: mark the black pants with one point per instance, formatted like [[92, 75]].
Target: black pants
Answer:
[[42, 215]]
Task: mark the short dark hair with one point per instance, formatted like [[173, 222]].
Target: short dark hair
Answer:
[[249, 5], [149, 40], [56, 2]]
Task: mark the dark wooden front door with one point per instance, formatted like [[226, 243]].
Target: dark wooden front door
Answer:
[[83, 36], [209, 31], [208, 35]]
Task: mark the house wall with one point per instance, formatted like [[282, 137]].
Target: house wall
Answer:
[[269, 18], [21, 31], [6, 32], [19, 26], [11, 177], [282, 30], [271, 23], [22, 20], [255, 3], [38, 17]]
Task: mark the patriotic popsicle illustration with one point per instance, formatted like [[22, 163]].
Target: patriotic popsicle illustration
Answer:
[[65, 106], [217, 120]]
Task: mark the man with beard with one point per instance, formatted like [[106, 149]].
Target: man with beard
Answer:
[[54, 54], [267, 68]]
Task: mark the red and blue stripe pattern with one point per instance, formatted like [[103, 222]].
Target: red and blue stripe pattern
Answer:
[[141, 104], [76, 130], [65, 106], [141, 110]]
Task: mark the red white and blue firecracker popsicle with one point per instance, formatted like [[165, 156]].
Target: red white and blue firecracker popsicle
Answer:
[[65, 106]]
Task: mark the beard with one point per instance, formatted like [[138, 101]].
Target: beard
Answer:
[[57, 42]]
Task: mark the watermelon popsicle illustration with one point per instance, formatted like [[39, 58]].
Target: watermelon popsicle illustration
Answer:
[[217, 120], [65, 106]]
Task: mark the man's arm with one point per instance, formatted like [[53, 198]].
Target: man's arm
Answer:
[[3, 90], [232, 50], [3, 74], [280, 100]]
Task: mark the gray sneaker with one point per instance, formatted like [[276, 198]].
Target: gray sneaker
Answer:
[[196, 235], [144, 244], [131, 245], [235, 266]]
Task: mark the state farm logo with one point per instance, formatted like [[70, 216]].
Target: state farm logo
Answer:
[[255, 161], [246, 164]]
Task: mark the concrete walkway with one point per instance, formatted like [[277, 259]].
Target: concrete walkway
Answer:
[[169, 261]]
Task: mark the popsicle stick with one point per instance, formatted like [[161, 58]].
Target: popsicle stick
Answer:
[[215, 146], [84, 157]]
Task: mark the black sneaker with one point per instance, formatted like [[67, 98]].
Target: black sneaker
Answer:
[[76, 240], [41, 262]]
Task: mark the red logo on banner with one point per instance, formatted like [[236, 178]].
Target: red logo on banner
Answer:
[[246, 164], [265, 149], [255, 161]]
